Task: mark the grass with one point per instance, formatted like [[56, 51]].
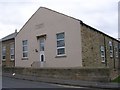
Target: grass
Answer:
[[117, 80]]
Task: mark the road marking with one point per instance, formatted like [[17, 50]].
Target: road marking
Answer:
[[67, 86]]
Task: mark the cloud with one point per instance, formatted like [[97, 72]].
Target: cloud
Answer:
[[6, 29], [13, 16], [101, 14]]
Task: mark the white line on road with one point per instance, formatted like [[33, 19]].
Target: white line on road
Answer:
[[67, 86]]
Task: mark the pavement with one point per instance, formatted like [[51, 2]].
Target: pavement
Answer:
[[100, 85]]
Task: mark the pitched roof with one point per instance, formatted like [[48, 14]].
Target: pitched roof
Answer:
[[10, 36], [48, 10], [81, 22]]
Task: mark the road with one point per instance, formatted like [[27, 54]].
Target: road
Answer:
[[18, 83], [13, 83]]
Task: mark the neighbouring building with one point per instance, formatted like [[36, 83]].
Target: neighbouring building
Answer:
[[52, 39], [8, 50]]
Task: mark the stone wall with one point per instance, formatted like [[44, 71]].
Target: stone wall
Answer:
[[8, 62], [92, 40], [89, 74]]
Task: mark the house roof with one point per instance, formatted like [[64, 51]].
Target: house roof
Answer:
[[81, 22], [10, 36]]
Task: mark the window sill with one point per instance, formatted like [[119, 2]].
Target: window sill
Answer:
[[24, 58], [60, 56], [12, 60], [102, 61], [3, 60]]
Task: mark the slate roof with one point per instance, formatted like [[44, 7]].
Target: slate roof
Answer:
[[10, 36]]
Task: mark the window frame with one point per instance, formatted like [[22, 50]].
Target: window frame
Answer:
[[111, 49], [60, 47], [42, 44], [4, 49], [24, 51], [116, 51], [102, 50], [13, 48]]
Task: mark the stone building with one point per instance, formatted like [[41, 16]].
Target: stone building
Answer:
[[8, 50], [51, 39], [99, 49]]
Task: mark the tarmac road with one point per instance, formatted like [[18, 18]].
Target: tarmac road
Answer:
[[18, 84]]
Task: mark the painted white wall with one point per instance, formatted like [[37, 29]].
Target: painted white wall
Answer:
[[52, 23]]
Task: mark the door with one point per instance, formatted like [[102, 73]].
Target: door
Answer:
[[42, 54]]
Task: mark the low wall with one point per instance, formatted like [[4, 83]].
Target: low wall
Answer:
[[89, 74]]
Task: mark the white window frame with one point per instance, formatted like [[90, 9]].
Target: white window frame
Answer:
[[102, 49], [116, 51], [62, 47], [111, 49], [42, 44], [12, 54], [3, 49], [24, 50]]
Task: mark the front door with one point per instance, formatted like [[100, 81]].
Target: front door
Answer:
[[42, 54]]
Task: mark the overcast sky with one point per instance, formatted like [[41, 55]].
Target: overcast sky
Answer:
[[100, 14]]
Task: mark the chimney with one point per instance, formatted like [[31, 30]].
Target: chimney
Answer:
[[119, 39], [15, 30]]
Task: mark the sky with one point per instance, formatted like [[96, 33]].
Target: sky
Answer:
[[100, 14]]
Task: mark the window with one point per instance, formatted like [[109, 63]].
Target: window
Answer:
[[60, 44], [4, 52], [25, 48], [12, 56], [111, 49], [116, 51], [42, 44], [102, 49]]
